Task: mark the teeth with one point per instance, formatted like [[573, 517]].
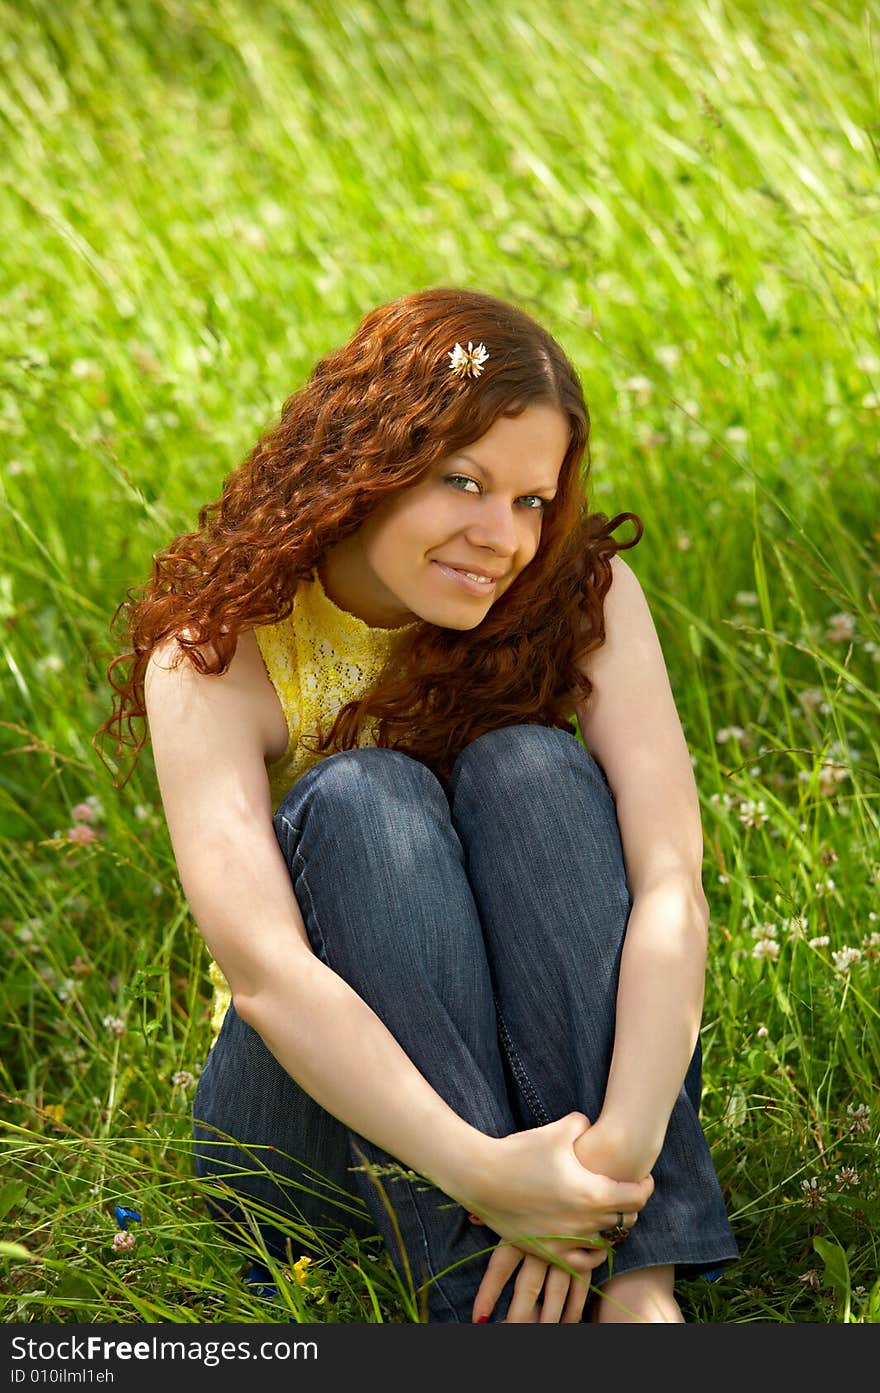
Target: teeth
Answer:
[[483, 580]]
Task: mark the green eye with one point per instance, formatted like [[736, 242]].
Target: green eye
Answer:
[[544, 502]]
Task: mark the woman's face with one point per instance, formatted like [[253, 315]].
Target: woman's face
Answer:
[[479, 510]]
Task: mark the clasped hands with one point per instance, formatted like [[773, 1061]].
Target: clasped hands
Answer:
[[541, 1185]]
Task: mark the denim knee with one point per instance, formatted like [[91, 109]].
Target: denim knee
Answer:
[[534, 749], [365, 780], [382, 818]]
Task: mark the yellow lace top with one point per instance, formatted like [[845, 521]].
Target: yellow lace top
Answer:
[[317, 659]]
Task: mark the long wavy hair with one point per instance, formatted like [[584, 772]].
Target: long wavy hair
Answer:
[[374, 417]]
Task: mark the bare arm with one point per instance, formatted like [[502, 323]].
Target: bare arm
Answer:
[[631, 726], [208, 744], [208, 749], [659, 1001]]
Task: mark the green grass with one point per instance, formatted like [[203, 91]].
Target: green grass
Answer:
[[199, 199]]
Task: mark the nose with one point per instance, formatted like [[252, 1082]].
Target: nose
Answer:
[[495, 528]]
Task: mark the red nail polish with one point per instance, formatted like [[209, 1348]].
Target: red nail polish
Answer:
[[481, 1320]]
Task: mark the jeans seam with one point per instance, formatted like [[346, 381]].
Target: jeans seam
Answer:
[[530, 1093], [299, 867]]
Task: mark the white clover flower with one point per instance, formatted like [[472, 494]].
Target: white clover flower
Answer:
[[813, 1191], [725, 800], [766, 948], [796, 926], [753, 813], [821, 941], [115, 1024], [847, 1175], [467, 362], [828, 777], [859, 1115], [182, 1079], [845, 958], [841, 627], [762, 1032], [763, 931], [745, 597], [668, 354], [810, 698], [729, 733], [641, 385]]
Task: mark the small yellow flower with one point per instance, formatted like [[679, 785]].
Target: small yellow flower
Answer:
[[467, 362], [301, 1270]]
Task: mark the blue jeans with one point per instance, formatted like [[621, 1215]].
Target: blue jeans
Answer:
[[484, 926]]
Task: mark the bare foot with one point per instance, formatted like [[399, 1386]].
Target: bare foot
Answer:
[[644, 1296]]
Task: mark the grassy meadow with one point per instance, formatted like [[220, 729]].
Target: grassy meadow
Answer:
[[198, 200]]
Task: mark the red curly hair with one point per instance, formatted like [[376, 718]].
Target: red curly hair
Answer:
[[374, 416]]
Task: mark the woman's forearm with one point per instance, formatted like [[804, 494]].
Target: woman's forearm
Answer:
[[335, 1046], [659, 1005]]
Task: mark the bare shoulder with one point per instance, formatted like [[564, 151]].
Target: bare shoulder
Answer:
[[621, 594], [243, 694], [621, 572], [169, 655]]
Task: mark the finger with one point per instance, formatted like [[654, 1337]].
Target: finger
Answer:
[[582, 1261], [611, 1221], [527, 1289], [556, 1286], [592, 1246], [503, 1262], [625, 1196], [578, 1291]]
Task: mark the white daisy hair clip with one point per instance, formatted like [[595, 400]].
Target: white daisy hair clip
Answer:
[[467, 362]]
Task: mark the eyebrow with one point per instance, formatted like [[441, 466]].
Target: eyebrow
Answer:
[[547, 488]]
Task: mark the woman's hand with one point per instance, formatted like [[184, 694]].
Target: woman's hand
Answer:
[[538, 1196], [563, 1289]]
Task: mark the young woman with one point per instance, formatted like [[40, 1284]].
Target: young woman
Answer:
[[458, 952]]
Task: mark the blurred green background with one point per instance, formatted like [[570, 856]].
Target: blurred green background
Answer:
[[199, 199]]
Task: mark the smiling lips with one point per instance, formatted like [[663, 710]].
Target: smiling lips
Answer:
[[473, 587], [473, 570]]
